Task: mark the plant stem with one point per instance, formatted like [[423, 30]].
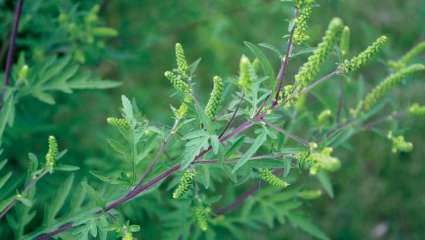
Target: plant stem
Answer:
[[230, 122], [243, 197], [12, 42], [56, 232], [283, 67], [286, 133], [161, 151], [26, 189], [244, 126]]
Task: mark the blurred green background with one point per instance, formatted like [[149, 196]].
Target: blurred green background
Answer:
[[378, 195]]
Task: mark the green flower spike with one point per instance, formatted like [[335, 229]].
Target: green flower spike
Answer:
[[408, 57], [300, 34], [215, 98], [267, 176], [344, 43], [201, 215], [311, 68], [185, 183], [324, 117], [399, 143], [358, 61], [323, 161], [178, 82], [245, 76], [376, 94], [52, 153], [417, 110], [118, 122], [181, 59]]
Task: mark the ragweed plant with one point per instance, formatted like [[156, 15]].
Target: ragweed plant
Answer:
[[239, 158]]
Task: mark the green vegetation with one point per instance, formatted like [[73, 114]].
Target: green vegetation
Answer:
[[246, 119]]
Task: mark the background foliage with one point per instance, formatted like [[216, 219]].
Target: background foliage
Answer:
[[374, 188]]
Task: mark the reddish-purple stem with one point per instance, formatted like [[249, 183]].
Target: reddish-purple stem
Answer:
[[283, 66], [242, 198], [160, 152], [230, 122], [12, 42], [55, 232]]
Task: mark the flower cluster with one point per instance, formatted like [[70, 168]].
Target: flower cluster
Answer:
[[324, 117], [118, 122], [215, 98], [182, 65], [322, 160], [377, 93], [408, 57], [358, 61], [245, 75], [201, 214], [178, 78], [52, 153], [305, 9], [417, 110], [185, 183], [399, 143], [311, 68], [344, 43], [267, 176]]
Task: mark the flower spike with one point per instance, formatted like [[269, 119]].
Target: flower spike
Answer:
[[267, 176], [311, 68], [357, 62], [185, 182], [215, 98]]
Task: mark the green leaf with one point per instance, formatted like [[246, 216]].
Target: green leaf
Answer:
[[265, 63], [251, 151], [58, 201], [215, 143], [66, 168], [4, 179], [326, 183], [303, 223], [193, 147], [6, 112], [44, 97]]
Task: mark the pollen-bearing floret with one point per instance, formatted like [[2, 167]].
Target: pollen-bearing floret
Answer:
[[322, 160], [182, 65], [399, 143], [201, 214], [267, 176], [118, 122], [385, 86], [52, 153], [245, 76], [215, 98], [300, 33], [311, 68], [185, 183], [358, 61]]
